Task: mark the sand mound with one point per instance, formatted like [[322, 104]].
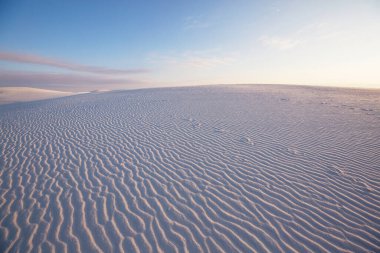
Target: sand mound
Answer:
[[123, 171], [24, 94]]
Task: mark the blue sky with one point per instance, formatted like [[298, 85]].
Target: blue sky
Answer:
[[116, 44]]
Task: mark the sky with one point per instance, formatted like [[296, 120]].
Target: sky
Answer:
[[86, 45]]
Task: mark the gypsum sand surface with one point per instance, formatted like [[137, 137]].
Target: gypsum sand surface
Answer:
[[249, 168]]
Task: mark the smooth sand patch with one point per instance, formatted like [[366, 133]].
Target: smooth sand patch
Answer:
[[24, 94]]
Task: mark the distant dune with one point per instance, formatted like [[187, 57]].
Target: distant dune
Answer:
[[23, 94], [201, 169]]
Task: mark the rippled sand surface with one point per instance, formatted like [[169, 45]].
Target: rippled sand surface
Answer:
[[201, 169]]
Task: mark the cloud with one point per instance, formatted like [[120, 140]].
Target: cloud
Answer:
[[195, 23], [205, 61], [39, 60], [54, 80], [194, 59], [305, 35], [280, 43]]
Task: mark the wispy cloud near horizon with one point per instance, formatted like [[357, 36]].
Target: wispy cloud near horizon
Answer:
[[62, 81], [280, 43], [52, 62], [204, 59]]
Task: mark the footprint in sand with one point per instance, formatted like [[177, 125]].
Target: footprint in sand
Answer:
[[246, 140]]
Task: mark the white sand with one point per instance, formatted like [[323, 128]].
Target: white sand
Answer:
[[207, 169], [24, 94]]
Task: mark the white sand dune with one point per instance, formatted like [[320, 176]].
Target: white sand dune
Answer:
[[24, 94], [202, 169]]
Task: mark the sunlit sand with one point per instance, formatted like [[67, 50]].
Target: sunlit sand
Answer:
[[23, 94], [249, 168]]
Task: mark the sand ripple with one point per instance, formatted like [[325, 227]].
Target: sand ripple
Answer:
[[212, 169]]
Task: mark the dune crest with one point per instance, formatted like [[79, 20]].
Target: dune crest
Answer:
[[24, 94]]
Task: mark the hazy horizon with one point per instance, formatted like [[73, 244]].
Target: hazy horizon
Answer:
[[77, 46]]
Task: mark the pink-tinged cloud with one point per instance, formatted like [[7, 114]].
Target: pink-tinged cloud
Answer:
[[39, 60], [63, 81]]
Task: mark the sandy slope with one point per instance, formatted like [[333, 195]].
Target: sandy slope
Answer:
[[23, 94], [211, 169]]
